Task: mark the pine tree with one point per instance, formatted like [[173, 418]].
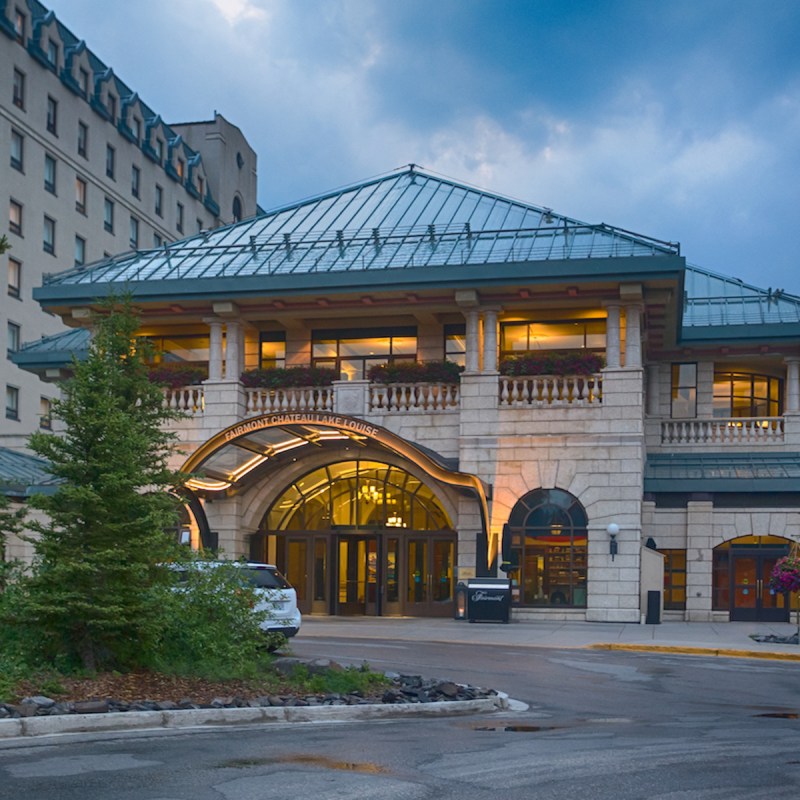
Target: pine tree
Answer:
[[11, 522], [92, 591]]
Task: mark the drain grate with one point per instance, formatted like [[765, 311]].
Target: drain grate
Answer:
[[780, 715]]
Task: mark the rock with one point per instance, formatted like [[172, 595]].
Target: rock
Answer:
[[276, 701], [39, 700], [22, 709], [447, 688], [166, 705], [90, 707], [286, 665], [222, 702], [319, 665]]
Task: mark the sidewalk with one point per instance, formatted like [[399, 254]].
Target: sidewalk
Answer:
[[698, 638]]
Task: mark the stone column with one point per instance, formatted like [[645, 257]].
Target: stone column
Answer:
[[473, 340], [232, 350], [613, 336], [633, 336], [792, 404], [490, 340], [653, 405], [214, 349]]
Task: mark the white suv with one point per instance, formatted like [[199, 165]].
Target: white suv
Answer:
[[275, 594]]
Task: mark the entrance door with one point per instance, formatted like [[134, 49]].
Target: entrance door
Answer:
[[357, 578], [751, 598], [429, 581]]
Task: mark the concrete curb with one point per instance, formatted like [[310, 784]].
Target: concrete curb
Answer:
[[697, 651], [201, 717]]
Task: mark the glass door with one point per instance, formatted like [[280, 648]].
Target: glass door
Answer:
[[751, 597], [357, 578], [428, 575]]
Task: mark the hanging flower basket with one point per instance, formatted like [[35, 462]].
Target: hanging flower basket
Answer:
[[786, 574], [553, 362]]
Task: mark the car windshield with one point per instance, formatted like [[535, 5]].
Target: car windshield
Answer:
[[264, 578]]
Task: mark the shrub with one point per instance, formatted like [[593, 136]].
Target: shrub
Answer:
[[286, 377], [553, 362], [174, 374], [416, 372]]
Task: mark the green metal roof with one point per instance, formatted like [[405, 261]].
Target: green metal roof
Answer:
[[53, 351], [722, 472], [22, 475], [404, 221]]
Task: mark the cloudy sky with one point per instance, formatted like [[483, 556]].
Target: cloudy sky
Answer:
[[675, 118]]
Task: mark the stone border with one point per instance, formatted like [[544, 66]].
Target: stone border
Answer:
[[201, 717], [696, 651]]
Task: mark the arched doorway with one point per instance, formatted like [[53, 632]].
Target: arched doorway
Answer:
[[545, 546], [362, 537], [740, 583]]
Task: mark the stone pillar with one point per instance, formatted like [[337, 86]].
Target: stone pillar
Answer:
[[613, 336], [699, 525], [214, 349], [633, 336], [490, 340], [473, 340], [792, 404], [232, 351]]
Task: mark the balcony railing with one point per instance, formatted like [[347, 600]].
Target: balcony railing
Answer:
[[548, 391], [301, 398], [723, 430], [414, 397], [186, 399]]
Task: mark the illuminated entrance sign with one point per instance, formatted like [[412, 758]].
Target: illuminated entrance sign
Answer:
[[351, 424]]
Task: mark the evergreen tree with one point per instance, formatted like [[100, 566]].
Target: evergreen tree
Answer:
[[4, 245], [93, 594], [11, 522]]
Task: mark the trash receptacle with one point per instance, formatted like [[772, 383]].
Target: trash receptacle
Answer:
[[488, 599], [653, 608], [460, 611]]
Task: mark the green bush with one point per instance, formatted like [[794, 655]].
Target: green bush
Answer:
[[338, 681], [416, 372], [553, 362], [175, 374], [289, 377]]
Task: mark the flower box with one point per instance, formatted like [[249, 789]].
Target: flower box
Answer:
[[174, 374], [288, 377], [416, 372], [553, 362]]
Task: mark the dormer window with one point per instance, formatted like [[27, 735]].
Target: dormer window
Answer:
[[200, 186], [180, 168], [52, 53], [160, 150], [19, 25], [112, 107], [83, 81], [136, 128]]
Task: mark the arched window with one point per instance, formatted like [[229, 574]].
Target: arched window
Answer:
[[237, 209], [356, 494], [547, 548]]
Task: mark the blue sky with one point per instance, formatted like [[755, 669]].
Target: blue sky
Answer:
[[679, 119]]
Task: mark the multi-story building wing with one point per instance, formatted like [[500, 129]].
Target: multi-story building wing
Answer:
[[624, 423], [90, 171]]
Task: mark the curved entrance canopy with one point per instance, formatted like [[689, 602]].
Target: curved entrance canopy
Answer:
[[227, 459]]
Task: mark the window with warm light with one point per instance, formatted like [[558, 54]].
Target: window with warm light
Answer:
[[352, 352], [740, 394], [14, 277], [684, 391], [455, 343], [518, 338], [272, 349]]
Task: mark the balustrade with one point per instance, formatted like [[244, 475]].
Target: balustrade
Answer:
[[723, 430], [186, 399], [303, 398], [414, 397], [519, 391]]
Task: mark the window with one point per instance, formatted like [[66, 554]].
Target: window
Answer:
[[108, 215], [136, 128], [19, 25], [157, 240], [518, 338], [83, 81], [674, 579], [201, 185], [352, 352], [45, 413], [14, 277], [80, 195], [52, 53], [199, 224], [545, 549], [684, 391], [80, 251], [160, 150], [272, 349], [15, 217], [19, 89], [17, 150], [112, 107], [12, 402], [49, 236], [237, 209], [49, 173], [159, 201], [134, 233], [455, 343], [747, 395], [179, 220], [180, 168], [13, 340], [111, 157], [52, 115], [136, 180], [83, 139]]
